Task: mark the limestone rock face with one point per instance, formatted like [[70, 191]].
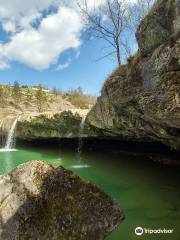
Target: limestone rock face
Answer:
[[140, 101], [161, 23], [64, 124], [38, 201]]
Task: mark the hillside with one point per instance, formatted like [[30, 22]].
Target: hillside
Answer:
[[16, 99]]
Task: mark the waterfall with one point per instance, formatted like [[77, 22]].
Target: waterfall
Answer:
[[1, 123], [10, 138], [80, 145], [1, 133], [80, 141]]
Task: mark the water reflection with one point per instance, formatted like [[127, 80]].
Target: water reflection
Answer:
[[147, 192]]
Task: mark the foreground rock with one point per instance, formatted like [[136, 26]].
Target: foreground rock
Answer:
[[38, 201], [141, 100]]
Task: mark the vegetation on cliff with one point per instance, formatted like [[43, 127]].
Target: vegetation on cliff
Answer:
[[140, 100]]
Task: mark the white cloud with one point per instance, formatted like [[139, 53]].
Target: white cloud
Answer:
[[64, 65], [92, 4], [68, 62], [4, 65], [20, 10], [9, 26], [38, 48], [41, 46]]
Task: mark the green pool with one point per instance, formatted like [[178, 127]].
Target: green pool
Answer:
[[148, 192]]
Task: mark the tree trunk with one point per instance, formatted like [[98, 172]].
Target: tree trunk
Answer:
[[118, 54]]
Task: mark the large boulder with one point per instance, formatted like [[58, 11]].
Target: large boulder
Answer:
[[38, 201], [161, 23], [140, 101]]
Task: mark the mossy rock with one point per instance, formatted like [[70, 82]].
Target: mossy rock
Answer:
[[38, 201]]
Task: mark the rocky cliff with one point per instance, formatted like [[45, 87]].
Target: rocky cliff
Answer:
[[65, 124], [140, 101], [43, 113], [38, 201], [48, 126]]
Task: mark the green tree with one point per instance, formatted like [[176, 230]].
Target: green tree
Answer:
[[2, 95], [16, 92], [40, 98], [79, 90], [29, 95], [56, 92]]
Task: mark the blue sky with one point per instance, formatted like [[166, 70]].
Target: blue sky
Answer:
[[55, 52], [84, 71]]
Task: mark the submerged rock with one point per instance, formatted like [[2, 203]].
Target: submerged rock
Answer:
[[140, 101], [38, 201]]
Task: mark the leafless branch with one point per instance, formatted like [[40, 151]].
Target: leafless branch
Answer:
[[111, 20]]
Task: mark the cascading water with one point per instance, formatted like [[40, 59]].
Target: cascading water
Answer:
[[1, 133], [10, 138], [80, 145], [1, 123], [80, 142]]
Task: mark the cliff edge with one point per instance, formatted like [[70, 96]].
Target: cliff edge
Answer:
[[140, 101]]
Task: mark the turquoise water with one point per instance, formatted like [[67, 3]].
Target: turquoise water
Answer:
[[148, 192]]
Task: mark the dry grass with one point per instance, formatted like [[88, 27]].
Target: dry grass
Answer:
[[80, 99], [52, 101]]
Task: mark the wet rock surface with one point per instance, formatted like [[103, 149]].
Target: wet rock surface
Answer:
[[38, 201]]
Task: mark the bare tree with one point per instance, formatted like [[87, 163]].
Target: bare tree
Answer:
[[40, 98], [108, 22], [112, 20], [16, 92]]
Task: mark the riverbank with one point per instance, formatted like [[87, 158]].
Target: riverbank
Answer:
[[69, 129]]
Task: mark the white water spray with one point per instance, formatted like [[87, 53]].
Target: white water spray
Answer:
[[1, 123], [80, 146], [1, 133], [10, 137]]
